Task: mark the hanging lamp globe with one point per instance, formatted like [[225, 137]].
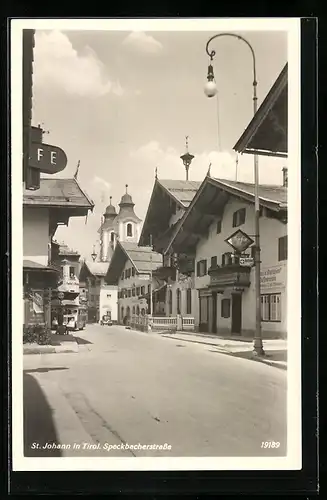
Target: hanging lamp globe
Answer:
[[210, 88]]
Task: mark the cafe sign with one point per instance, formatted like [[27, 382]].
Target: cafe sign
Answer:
[[239, 241], [273, 277], [47, 158]]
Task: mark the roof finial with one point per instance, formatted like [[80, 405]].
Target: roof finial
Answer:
[[93, 254], [236, 166], [110, 198], [126, 186], [186, 142], [77, 169], [209, 170], [187, 157], [156, 173]]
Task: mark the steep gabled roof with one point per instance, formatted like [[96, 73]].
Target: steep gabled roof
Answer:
[[167, 195], [277, 195], [96, 269], [266, 133], [209, 203], [143, 259], [182, 191], [31, 265], [58, 193]]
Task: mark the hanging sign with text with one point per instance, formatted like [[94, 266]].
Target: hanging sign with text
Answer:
[[46, 158]]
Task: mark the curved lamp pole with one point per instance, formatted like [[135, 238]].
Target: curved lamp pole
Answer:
[[210, 91]]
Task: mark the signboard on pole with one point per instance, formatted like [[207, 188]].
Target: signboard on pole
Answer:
[[246, 261], [239, 240], [47, 158]]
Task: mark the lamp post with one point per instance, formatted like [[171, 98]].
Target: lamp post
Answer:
[[211, 91]]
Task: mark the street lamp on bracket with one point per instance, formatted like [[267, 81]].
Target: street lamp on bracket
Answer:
[[210, 90]]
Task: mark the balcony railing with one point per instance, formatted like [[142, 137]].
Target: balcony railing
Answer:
[[231, 275], [162, 323]]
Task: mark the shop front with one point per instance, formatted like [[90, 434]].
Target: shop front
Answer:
[[38, 283], [274, 301], [221, 302]]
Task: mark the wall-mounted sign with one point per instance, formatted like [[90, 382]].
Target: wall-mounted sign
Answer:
[[246, 261], [144, 277], [46, 158], [239, 240], [273, 277]]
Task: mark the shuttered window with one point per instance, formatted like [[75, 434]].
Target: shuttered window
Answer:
[[239, 217], [282, 248], [201, 268], [271, 307], [214, 261]]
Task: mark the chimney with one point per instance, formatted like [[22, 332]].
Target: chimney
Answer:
[[285, 177]]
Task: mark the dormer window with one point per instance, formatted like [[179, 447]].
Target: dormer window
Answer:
[[129, 230]]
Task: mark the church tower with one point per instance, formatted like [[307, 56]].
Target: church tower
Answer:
[[129, 224], [108, 233]]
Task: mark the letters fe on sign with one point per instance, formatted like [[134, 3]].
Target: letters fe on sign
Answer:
[[48, 159]]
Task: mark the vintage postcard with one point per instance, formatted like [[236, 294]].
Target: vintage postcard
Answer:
[[156, 244]]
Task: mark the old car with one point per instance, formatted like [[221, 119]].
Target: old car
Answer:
[[106, 320]]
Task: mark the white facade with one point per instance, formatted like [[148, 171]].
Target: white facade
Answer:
[[129, 229], [109, 301], [36, 238], [273, 271], [134, 287]]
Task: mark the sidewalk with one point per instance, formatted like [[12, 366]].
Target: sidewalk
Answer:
[[276, 350], [59, 343]]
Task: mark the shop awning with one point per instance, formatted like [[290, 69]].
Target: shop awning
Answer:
[[266, 134]]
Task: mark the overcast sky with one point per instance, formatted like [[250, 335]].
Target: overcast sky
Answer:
[[123, 102]]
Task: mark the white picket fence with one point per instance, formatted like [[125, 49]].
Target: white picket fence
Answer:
[[172, 323]]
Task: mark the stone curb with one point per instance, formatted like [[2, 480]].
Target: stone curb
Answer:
[[275, 364], [49, 349]]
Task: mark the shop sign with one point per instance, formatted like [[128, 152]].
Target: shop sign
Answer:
[[144, 277], [37, 303], [246, 261], [273, 277], [47, 158]]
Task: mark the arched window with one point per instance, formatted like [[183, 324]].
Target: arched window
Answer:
[[188, 301], [143, 311], [128, 311], [122, 313], [170, 301], [138, 310], [178, 296], [133, 310], [129, 229], [112, 237]]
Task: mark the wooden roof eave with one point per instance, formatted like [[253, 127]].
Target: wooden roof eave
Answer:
[[261, 115], [116, 265]]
